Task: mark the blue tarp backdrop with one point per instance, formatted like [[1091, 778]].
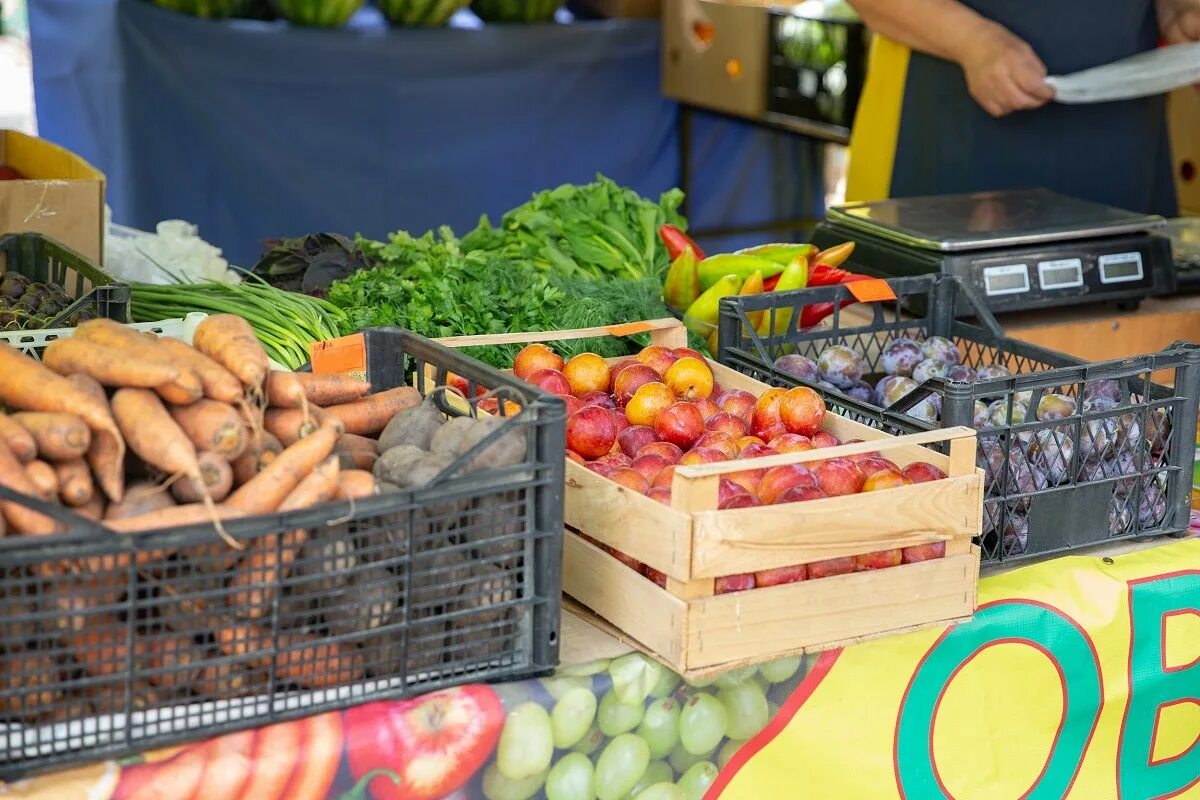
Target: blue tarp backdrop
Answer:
[[258, 129]]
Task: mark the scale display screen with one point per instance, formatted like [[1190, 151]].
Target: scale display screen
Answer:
[[1066, 273], [1008, 279], [1121, 267]]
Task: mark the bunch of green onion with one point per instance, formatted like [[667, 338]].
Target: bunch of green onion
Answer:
[[285, 322]]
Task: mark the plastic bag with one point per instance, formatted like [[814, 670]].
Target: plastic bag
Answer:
[[174, 251], [1145, 74]]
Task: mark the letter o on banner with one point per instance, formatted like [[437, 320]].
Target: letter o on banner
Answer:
[[1014, 621]]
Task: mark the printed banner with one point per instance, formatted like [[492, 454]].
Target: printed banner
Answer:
[[1078, 678]]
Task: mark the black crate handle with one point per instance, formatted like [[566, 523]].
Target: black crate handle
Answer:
[[59, 513]]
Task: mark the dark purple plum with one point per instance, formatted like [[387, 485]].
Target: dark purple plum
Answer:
[[929, 368], [1153, 507], [1097, 405], [991, 372], [991, 516], [962, 374], [842, 366], [826, 385], [1055, 406], [1000, 417], [1122, 466], [1109, 389], [982, 415], [901, 357], [1120, 518], [942, 349], [881, 388], [1158, 429], [897, 390], [1050, 454], [1016, 533], [861, 391], [1095, 442], [798, 366], [1128, 435]]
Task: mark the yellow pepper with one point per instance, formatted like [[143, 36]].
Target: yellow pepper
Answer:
[[701, 316]]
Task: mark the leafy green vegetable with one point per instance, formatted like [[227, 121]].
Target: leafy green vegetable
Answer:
[[596, 230], [432, 285]]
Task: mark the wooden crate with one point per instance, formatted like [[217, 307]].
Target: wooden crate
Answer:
[[694, 630]]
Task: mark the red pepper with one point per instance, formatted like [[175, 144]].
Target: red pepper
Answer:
[[813, 314], [677, 241], [770, 283], [825, 275], [424, 748]]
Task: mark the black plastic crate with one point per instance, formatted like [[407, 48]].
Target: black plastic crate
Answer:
[[42, 259], [114, 644], [1104, 472]]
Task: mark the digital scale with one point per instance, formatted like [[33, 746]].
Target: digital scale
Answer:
[[1018, 250]]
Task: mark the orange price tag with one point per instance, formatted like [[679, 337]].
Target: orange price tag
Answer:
[[344, 356], [870, 291]]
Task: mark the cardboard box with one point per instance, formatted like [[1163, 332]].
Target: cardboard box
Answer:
[[62, 195]]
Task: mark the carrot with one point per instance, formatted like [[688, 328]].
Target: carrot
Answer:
[[173, 517], [229, 340], [185, 388], [260, 566], [30, 386], [356, 483], [357, 452], [106, 456], [219, 383], [19, 440], [159, 442], [212, 425], [290, 425], [218, 480], [106, 364], [372, 414], [268, 489], [255, 459], [21, 519], [44, 479], [140, 498], [323, 390], [58, 436], [284, 390], [93, 509], [74, 482]]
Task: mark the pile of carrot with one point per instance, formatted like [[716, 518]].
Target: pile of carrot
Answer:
[[141, 433]]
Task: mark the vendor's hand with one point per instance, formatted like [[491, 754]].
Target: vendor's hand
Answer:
[[1003, 73], [1179, 20]]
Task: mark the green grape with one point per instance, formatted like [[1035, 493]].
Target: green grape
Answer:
[[526, 743], [736, 677], [772, 709], [728, 751], [667, 681], [681, 760], [573, 714], [498, 787], [745, 710], [660, 727], [557, 686], [616, 717], [620, 766], [701, 683], [702, 724], [657, 772], [590, 741], [633, 676], [662, 791], [583, 670], [762, 683], [697, 779], [572, 778], [780, 669]]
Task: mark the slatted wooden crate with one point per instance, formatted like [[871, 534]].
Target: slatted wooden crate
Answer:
[[693, 629]]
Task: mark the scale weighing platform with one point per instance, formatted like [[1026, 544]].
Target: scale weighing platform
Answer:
[[1018, 250]]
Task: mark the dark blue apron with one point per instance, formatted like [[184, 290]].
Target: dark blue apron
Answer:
[[1114, 153]]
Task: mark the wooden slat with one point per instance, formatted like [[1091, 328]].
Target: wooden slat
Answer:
[[632, 523], [760, 623], [625, 598], [752, 539]]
